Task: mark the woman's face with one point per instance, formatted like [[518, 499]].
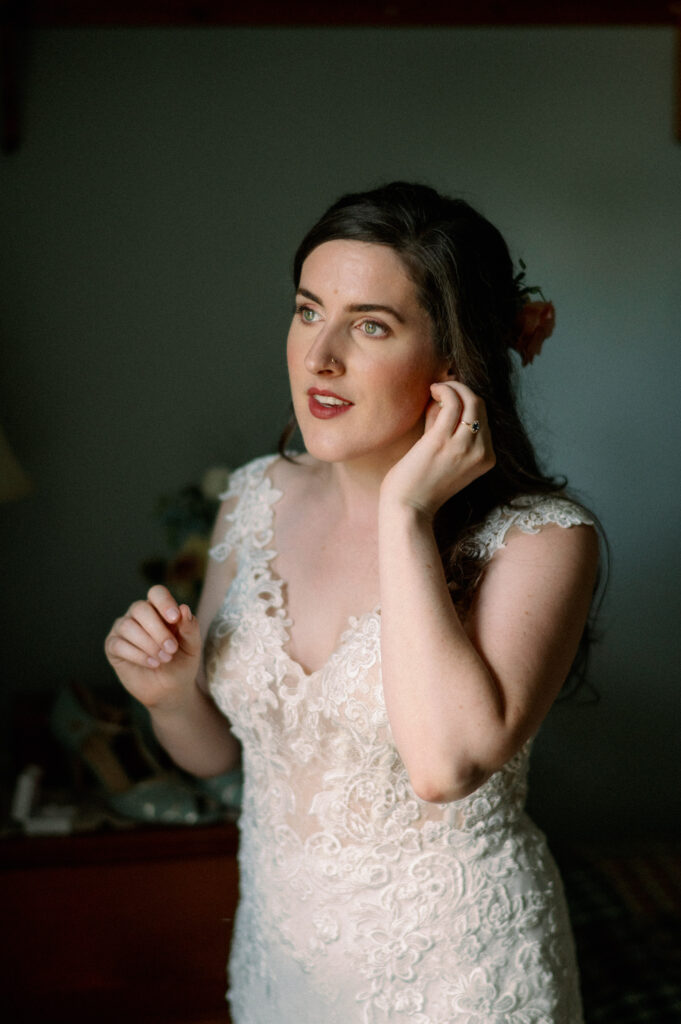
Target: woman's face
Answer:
[[360, 354]]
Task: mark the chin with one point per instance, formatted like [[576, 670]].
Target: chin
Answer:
[[338, 441], [329, 450], [344, 449]]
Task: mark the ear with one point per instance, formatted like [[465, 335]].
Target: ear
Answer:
[[448, 372]]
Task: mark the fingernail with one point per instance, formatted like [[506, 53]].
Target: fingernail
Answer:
[[170, 646], [162, 656], [172, 614], [152, 663]]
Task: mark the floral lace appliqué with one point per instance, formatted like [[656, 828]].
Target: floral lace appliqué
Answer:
[[528, 514], [359, 901]]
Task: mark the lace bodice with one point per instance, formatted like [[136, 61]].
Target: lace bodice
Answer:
[[357, 896]]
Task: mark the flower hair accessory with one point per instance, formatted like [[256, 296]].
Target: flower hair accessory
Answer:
[[535, 320]]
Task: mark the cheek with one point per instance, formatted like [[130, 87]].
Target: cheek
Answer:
[[409, 386]]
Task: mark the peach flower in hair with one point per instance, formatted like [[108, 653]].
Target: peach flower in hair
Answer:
[[535, 323]]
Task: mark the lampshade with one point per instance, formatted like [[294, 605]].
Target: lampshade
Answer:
[[14, 483]]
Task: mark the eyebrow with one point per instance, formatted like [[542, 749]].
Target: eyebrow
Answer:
[[361, 307]]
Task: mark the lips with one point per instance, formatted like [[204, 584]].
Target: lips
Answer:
[[325, 405]]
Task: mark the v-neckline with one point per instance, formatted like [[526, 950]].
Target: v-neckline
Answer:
[[281, 584]]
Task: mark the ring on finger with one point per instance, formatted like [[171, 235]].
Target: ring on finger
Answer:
[[474, 427]]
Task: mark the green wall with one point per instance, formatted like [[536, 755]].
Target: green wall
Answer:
[[147, 225]]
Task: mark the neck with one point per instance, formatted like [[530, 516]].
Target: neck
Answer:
[[355, 484]]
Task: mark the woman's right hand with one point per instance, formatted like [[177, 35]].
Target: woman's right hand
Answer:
[[155, 650]]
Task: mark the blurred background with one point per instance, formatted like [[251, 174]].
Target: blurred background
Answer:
[[149, 209]]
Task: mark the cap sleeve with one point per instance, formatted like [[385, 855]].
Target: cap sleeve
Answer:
[[528, 513], [247, 493]]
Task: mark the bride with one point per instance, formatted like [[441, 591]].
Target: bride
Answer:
[[386, 621]]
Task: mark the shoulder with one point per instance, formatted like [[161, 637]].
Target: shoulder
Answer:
[[531, 515], [555, 551], [299, 478], [266, 479], [530, 608], [245, 508], [541, 548], [246, 477]]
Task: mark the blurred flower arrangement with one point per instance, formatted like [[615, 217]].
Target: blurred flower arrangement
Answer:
[[187, 518]]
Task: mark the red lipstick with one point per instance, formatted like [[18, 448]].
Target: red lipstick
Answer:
[[325, 405]]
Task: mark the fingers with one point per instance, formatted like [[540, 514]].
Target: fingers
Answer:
[[164, 603], [153, 631], [462, 418], [118, 650], [449, 406], [141, 637], [143, 629], [189, 634], [459, 408]]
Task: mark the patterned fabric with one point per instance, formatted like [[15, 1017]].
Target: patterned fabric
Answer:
[[359, 901], [625, 906]]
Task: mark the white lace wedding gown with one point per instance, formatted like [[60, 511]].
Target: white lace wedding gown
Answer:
[[359, 901]]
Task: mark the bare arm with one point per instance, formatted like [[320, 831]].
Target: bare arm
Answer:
[[155, 649], [463, 699]]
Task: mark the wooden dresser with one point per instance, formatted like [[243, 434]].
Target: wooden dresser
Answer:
[[131, 926]]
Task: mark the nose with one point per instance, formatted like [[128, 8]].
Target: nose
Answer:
[[320, 358]]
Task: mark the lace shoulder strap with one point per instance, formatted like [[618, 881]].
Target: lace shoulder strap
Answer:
[[250, 518], [528, 513]]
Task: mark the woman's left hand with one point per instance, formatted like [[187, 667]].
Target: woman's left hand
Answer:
[[455, 449]]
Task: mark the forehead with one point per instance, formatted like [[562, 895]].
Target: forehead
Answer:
[[362, 271]]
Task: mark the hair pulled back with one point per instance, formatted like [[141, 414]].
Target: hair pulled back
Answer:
[[458, 261], [465, 280]]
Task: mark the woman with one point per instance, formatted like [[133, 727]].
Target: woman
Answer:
[[389, 618]]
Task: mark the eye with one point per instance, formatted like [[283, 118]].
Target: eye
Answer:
[[307, 314], [374, 329]]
